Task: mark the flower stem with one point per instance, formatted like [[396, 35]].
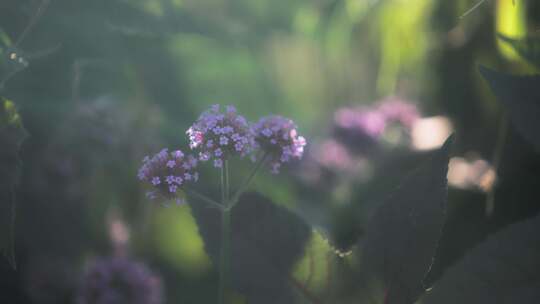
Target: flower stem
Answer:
[[227, 194], [495, 162], [204, 198], [225, 233], [225, 254], [247, 181]]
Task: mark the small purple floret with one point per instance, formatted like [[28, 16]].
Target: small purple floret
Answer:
[[220, 135], [277, 136], [165, 171]]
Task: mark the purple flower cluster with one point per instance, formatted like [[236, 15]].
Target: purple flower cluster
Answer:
[[167, 171], [119, 281], [395, 109], [367, 121], [218, 135], [359, 137], [333, 154], [373, 121], [277, 136]]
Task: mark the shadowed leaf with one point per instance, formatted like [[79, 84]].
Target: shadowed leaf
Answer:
[[266, 242], [528, 48], [12, 134], [520, 95], [403, 233], [503, 269]]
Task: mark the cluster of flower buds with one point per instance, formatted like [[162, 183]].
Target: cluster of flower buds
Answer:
[[119, 280], [166, 172], [278, 138], [219, 135]]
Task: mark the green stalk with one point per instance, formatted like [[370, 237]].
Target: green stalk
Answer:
[[225, 254], [496, 160], [247, 182], [205, 199], [226, 167], [225, 233]]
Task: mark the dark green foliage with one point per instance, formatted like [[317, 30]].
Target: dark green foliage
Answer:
[[12, 134], [503, 269], [520, 96], [403, 232], [528, 48], [266, 241], [350, 220]]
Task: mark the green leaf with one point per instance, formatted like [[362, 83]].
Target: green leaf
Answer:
[[505, 268], [5, 41], [266, 242], [12, 134], [528, 48], [520, 95], [403, 233]]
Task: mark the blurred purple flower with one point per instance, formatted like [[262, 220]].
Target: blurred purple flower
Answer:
[[361, 128], [332, 154], [166, 171], [373, 121], [395, 109], [277, 136], [118, 280], [366, 121], [221, 135]]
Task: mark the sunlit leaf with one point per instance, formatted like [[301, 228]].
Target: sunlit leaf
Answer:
[[317, 271], [503, 269], [12, 134], [528, 48], [266, 242], [520, 95], [5, 41], [403, 233]]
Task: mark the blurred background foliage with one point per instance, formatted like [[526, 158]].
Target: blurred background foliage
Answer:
[[99, 84]]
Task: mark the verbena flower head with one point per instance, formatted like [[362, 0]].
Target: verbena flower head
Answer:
[[166, 172], [219, 135], [374, 120], [119, 281], [368, 122], [397, 110], [277, 136], [332, 155], [363, 129]]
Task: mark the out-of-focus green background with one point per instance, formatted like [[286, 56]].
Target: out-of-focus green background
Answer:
[[109, 81]]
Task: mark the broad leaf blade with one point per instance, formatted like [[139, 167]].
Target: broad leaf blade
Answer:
[[528, 48], [503, 269], [403, 233], [12, 134], [266, 242], [520, 95]]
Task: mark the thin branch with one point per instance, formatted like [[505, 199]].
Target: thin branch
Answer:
[[39, 12], [496, 160], [247, 181], [472, 9], [204, 199]]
